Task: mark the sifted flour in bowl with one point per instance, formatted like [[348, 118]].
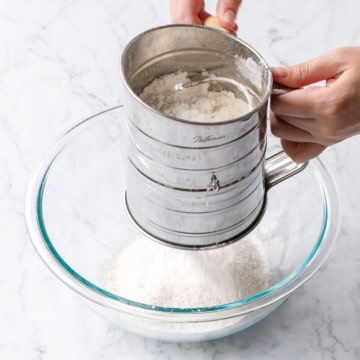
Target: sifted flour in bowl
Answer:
[[145, 271], [196, 103]]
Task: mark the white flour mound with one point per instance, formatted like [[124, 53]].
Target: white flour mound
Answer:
[[151, 273], [194, 103]]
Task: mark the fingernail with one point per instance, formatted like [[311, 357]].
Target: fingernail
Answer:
[[280, 72]]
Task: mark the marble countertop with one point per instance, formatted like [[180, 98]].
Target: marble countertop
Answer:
[[59, 63]]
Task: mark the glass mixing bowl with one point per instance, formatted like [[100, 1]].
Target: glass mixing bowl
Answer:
[[76, 219]]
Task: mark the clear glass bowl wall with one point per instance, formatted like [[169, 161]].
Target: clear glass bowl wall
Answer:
[[76, 219]]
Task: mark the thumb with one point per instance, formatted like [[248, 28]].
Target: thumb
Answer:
[[321, 68]]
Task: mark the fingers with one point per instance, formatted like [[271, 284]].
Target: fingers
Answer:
[[226, 11], [321, 68], [301, 152], [286, 130], [193, 12], [299, 103], [330, 113], [299, 144], [187, 11]]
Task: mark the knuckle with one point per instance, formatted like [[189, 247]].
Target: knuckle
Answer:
[[275, 125], [302, 72], [330, 133], [337, 110], [334, 112], [327, 135]]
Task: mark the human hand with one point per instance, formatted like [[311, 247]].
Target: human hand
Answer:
[[193, 12], [310, 119]]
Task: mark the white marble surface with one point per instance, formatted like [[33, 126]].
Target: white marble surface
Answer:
[[59, 62]]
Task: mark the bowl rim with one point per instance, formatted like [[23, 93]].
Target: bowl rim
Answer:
[[276, 293]]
